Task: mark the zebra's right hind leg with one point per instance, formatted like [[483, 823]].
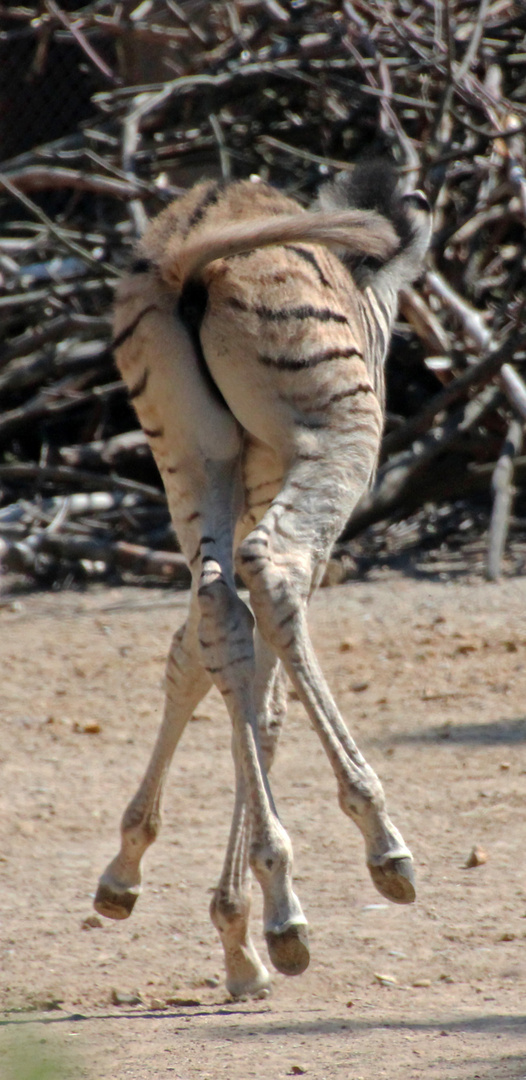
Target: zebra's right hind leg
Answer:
[[246, 975], [279, 563]]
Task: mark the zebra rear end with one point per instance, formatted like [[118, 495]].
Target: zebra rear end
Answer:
[[254, 358]]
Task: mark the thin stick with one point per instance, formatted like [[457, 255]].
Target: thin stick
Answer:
[[54, 230], [474, 325], [82, 41], [224, 156], [130, 143], [141, 561], [41, 177]]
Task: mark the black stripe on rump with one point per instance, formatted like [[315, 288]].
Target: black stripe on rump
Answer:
[[304, 401], [362, 388], [306, 311], [312, 423], [285, 363], [251, 488], [251, 540], [140, 385], [340, 395], [309, 256], [129, 330], [209, 199]]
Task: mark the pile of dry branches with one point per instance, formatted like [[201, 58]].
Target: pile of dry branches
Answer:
[[292, 91]]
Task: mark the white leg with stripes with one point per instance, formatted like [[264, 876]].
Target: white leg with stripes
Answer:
[[227, 645], [186, 683], [230, 906], [272, 561]]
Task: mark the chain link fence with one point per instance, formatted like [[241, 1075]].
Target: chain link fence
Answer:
[[54, 56], [46, 84]]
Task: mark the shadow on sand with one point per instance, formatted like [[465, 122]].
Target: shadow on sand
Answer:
[[493, 732]]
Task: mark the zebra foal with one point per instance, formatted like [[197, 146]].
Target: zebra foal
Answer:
[[252, 334]]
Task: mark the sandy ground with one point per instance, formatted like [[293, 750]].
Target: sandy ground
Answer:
[[430, 675]]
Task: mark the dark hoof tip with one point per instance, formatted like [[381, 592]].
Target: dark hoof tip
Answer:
[[395, 880], [289, 951], [113, 904]]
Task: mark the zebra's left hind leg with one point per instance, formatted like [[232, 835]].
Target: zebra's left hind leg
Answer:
[[187, 682], [226, 638]]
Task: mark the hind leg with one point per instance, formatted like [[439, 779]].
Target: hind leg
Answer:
[[157, 359], [186, 683], [226, 640], [280, 562], [230, 906]]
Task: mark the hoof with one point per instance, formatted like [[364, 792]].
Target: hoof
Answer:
[[114, 904], [289, 951], [395, 880], [252, 992], [246, 976]]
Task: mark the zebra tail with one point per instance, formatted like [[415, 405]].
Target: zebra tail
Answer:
[[362, 232]]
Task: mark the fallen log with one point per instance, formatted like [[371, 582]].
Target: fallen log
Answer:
[[24, 556]]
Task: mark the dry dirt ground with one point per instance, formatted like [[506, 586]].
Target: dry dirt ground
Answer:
[[431, 676]]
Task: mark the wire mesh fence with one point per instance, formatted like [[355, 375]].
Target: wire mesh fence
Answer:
[[46, 83]]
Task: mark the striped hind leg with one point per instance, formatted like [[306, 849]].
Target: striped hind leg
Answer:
[[186, 683], [226, 640], [230, 906], [280, 562]]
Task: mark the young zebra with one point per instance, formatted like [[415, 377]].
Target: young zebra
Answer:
[[254, 357]]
